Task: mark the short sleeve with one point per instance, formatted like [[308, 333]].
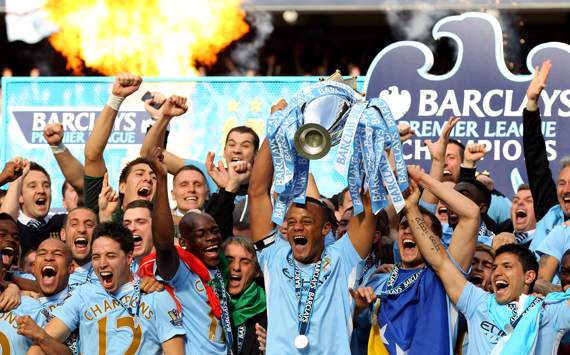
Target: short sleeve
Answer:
[[265, 255], [179, 279], [346, 251], [70, 310], [168, 321], [556, 242], [471, 299], [559, 314]]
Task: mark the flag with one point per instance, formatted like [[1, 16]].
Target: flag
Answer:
[[414, 321]]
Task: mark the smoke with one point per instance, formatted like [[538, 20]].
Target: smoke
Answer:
[[246, 53], [416, 24]]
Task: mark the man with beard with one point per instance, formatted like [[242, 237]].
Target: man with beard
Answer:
[[194, 274], [508, 320], [77, 233], [113, 313], [551, 200], [247, 302], [301, 274]]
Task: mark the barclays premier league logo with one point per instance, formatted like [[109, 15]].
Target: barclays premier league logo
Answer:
[[130, 126], [480, 89]]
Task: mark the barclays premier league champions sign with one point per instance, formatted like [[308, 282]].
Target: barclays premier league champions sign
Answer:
[[479, 89]]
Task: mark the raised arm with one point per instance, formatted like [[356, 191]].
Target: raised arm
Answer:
[[125, 85], [464, 238], [542, 185], [260, 208], [11, 205], [361, 228], [155, 135], [167, 259], [71, 168], [431, 248], [437, 152]]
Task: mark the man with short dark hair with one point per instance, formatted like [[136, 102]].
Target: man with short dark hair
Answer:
[[138, 219], [503, 321], [303, 276], [113, 316], [137, 180], [194, 273]]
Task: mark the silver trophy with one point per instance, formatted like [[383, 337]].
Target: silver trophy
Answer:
[[323, 121]]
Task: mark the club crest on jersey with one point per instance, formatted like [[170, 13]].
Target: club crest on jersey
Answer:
[[175, 318]]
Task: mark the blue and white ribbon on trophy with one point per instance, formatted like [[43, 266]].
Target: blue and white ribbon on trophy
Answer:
[[368, 131]]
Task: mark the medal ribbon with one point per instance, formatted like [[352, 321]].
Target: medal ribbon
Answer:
[[225, 316], [304, 317], [403, 286]]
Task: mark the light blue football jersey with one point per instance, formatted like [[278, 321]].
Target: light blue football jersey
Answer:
[[330, 323], [204, 332], [83, 274], [105, 325], [11, 342], [49, 303], [484, 335]]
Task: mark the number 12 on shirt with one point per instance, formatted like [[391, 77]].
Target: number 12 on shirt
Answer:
[[123, 322]]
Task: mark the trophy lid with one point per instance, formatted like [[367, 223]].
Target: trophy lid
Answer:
[[337, 76]]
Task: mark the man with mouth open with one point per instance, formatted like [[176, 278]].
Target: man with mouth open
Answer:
[[77, 233], [137, 181], [193, 273], [113, 316], [302, 276], [411, 296], [28, 200], [52, 268], [138, 219], [247, 298], [508, 320], [551, 200]]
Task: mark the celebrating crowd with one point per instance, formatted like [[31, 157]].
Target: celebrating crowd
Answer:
[[461, 269]]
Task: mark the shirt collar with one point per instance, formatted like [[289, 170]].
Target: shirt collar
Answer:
[[25, 219]]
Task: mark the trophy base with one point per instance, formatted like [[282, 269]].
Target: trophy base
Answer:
[[312, 141]]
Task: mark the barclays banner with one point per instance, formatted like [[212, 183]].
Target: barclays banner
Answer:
[[480, 89]]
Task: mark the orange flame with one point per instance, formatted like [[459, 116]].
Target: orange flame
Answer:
[[151, 37]]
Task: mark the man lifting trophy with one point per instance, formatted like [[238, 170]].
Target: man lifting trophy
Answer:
[[330, 113]]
